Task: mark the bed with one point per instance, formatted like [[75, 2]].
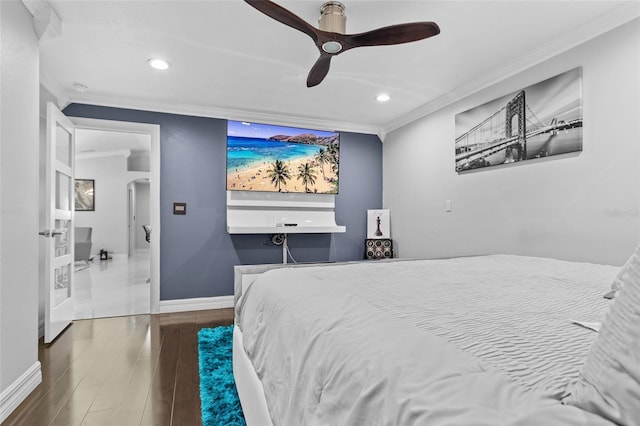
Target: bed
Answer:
[[496, 339]]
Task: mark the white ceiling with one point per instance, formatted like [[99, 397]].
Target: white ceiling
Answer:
[[231, 61], [92, 143]]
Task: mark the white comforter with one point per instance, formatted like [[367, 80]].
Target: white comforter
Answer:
[[481, 340]]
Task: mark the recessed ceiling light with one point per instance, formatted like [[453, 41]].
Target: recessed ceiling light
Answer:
[[159, 64], [383, 97]]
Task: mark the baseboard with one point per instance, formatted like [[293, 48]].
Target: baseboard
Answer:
[[19, 390], [195, 304]]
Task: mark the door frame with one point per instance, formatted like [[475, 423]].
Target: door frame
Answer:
[[153, 130], [131, 219]]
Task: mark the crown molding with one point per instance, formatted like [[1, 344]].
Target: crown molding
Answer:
[[126, 153], [617, 17], [224, 113]]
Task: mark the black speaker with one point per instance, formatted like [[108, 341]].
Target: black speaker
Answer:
[[381, 248]]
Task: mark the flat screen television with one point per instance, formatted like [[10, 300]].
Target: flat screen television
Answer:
[[270, 158]]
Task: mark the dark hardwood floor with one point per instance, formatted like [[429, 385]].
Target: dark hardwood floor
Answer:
[[124, 371]]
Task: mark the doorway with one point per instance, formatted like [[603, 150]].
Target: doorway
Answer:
[[120, 157]]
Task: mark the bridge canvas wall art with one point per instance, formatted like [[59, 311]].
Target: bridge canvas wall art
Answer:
[[541, 120]]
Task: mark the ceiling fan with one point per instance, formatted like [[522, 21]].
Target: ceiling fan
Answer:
[[330, 38]]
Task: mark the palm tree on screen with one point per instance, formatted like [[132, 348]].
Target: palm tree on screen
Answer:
[[333, 154], [322, 158], [279, 174], [308, 176]]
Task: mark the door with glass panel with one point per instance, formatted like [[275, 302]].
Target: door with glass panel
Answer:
[[59, 207]]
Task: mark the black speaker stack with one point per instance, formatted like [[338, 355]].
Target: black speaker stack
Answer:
[[378, 248]]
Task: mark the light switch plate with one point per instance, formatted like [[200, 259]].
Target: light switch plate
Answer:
[[179, 208]]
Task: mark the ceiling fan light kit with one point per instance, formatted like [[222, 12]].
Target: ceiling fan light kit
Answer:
[[331, 39], [331, 47]]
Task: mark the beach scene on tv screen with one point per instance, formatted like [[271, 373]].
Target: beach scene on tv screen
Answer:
[[263, 157]]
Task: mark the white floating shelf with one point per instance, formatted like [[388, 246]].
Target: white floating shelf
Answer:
[[285, 229], [267, 213]]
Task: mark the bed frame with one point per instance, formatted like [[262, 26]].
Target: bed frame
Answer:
[[254, 404]]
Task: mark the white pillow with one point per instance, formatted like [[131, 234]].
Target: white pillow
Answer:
[[609, 383], [621, 277]]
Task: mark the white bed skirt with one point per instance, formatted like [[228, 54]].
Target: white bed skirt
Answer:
[[254, 404]]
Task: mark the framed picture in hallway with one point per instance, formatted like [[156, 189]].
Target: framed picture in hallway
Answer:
[[85, 195], [541, 120]]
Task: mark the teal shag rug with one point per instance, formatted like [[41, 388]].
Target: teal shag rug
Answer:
[[218, 395]]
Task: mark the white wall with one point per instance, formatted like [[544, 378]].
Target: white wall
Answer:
[[139, 162], [109, 220], [583, 207], [19, 79]]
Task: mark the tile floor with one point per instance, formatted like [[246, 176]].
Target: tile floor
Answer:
[[114, 287]]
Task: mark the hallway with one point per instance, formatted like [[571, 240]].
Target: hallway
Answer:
[[114, 287]]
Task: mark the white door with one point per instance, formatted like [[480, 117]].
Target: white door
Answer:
[[59, 206]]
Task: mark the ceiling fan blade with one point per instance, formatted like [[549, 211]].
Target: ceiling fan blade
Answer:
[[319, 70], [281, 14], [394, 34]]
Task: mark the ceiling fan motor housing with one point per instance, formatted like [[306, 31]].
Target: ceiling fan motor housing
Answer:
[[332, 18]]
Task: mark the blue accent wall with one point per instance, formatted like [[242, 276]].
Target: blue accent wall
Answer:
[[197, 254]]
